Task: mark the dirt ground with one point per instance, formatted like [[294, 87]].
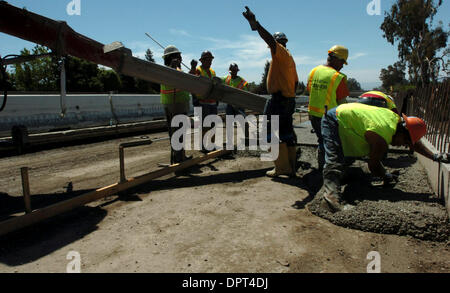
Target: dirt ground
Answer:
[[225, 216]]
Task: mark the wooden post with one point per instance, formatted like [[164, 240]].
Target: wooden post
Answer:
[[26, 189]]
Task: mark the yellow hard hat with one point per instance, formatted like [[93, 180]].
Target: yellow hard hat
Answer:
[[340, 52]]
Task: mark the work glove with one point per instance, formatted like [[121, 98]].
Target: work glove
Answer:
[[250, 16], [389, 178], [442, 158]]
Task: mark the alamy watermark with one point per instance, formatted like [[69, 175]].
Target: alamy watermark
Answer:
[[213, 139], [374, 7], [74, 266], [374, 265], [74, 7]]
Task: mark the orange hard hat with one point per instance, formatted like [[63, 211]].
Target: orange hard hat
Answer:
[[416, 128]]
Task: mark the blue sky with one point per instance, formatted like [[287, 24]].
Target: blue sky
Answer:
[[312, 27]]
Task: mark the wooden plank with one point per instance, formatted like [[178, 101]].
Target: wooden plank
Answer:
[[61, 207]]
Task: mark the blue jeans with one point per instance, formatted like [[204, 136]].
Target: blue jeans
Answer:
[[334, 155]]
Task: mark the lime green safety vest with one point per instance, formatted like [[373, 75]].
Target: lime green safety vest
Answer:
[[356, 119], [238, 82], [323, 83], [171, 95], [204, 73]]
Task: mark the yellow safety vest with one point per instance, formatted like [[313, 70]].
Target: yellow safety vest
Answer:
[[171, 95], [355, 119], [204, 73], [322, 84]]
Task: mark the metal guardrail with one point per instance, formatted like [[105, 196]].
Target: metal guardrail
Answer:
[[432, 104]]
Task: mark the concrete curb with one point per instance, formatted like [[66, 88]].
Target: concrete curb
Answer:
[[438, 175]]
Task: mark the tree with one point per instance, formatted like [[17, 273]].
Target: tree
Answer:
[[262, 88], [36, 75], [82, 76], [393, 75], [409, 24], [110, 80], [149, 56], [353, 85], [301, 88]]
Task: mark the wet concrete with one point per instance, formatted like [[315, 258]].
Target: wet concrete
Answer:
[[408, 208]]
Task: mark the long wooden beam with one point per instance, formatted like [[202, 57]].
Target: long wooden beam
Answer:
[[36, 216]]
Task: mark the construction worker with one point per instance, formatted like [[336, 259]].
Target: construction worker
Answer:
[[327, 88], [238, 82], [209, 106], [175, 101], [282, 82], [379, 99], [358, 130]]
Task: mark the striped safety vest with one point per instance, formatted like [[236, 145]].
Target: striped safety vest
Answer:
[[171, 95], [322, 85], [238, 82]]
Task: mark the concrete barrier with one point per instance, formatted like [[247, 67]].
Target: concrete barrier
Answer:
[[438, 175]]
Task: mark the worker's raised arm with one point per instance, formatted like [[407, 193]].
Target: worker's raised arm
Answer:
[[265, 35]]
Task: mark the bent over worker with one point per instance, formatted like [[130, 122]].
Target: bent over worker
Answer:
[[282, 82], [234, 80], [175, 101], [327, 88], [379, 99], [358, 130]]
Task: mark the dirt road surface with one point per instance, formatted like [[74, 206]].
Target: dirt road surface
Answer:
[[226, 216]]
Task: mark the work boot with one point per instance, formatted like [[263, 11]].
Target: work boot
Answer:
[[292, 154], [331, 193], [282, 165]]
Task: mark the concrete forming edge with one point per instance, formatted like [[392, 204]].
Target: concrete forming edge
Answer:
[[438, 175]]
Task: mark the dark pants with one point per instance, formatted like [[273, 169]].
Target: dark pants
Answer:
[[231, 110], [284, 107], [316, 124], [171, 111]]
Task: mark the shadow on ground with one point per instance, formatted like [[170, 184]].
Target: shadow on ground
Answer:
[[34, 242]]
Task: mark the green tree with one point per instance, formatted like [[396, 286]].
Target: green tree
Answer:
[[109, 79], [410, 25], [82, 76], [36, 75], [252, 87], [262, 88], [149, 56], [393, 75], [301, 88], [353, 85]]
